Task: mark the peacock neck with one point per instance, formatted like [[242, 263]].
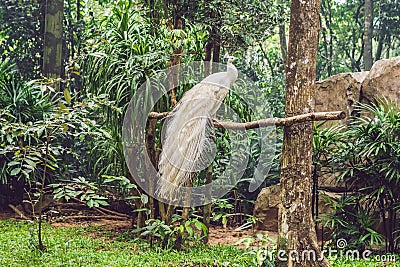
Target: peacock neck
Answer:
[[232, 72]]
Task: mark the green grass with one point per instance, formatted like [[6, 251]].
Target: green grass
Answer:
[[95, 246]]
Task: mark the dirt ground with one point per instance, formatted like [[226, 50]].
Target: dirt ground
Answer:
[[6, 215], [218, 234]]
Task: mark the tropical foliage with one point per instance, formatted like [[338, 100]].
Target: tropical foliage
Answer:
[[68, 138], [366, 158]]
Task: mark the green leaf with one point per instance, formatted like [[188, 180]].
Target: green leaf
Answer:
[[217, 217], [102, 202], [67, 96], [40, 131], [136, 230], [59, 195], [50, 167], [12, 163], [144, 198], [30, 162], [141, 209], [132, 197], [224, 220], [190, 230], [28, 167], [145, 233], [15, 171], [57, 190], [26, 174], [201, 226], [90, 203], [9, 138]]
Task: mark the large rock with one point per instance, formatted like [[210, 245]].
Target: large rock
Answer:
[[342, 91], [382, 80], [266, 208], [339, 93]]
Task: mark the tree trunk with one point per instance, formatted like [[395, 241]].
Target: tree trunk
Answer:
[[389, 45], [207, 207], [216, 52], [150, 146], [208, 57], [297, 239], [175, 58], [326, 12], [379, 48], [282, 42], [53, 40], [368, 27], [166, 210]]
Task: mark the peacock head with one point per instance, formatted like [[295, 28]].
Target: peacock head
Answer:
[[231, 69], [230, 58]]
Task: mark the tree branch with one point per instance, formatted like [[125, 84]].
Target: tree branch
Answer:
[[91, 217], [316, 116], [20, 213]]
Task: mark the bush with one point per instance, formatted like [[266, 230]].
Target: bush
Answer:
[[368, 160]]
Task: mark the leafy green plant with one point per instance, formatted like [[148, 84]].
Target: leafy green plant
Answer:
[[31, 153], [79, 188], [224, 212], [365, 158], [23, 145], [21, 36], [326, 143], [25, 101], [222, 209], [118, 62], [7, 69], [120, 186], [188, 232], [369, 161], [349, 221]]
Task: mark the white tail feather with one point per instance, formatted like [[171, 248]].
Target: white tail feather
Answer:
[[187, 141], [186, 138]]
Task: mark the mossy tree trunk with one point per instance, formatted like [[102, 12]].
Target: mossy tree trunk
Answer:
[[297, 236], [53, 40]]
